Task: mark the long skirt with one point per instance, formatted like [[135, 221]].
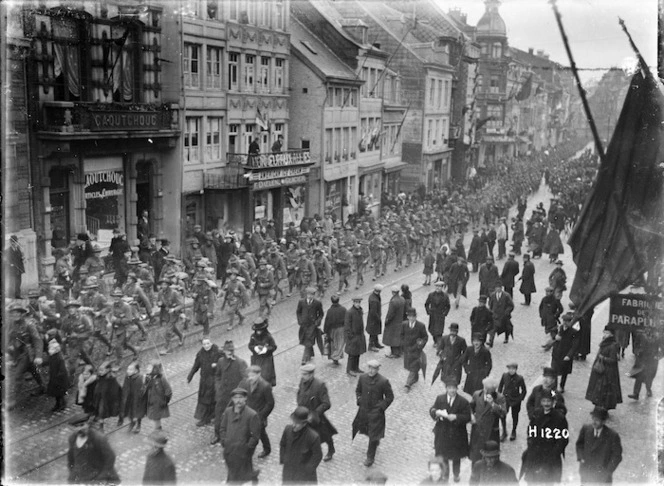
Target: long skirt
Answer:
[[204, 411], [338, 342]]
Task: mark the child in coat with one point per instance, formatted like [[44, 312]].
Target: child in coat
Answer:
[[108, 395], [58, 376], [158, 393], [133, 398], [87, 381]]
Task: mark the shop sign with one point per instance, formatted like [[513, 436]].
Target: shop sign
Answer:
[[281, 159], [286, 181], [259, 212], [124, 120], [102, 184], [278, 174], [630, 311]]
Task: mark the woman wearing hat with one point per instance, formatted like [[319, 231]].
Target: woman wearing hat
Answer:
[[262, 347], [604, 383]]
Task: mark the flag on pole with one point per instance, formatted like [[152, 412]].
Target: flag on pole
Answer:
[[261, 121], [619, 233], [524, 92]]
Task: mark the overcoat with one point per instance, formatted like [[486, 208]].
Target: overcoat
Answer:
[[227, 376], [528, 278], [513, 388], [451, 355], [356, 342], [481, 320], [487, 422], [510, 271], [374, 395], [159, 468], [458, 277], [203, 362], [476, 252], [314, 396], [565, 347], [159, 394], [92, 463], [477, 365], [265, 361], [550, 310], [489, 278], [600, 455], [300, 453], [239, 434], [260, 399], [413, 342], [552, 243], [501, 308], [107, 397], [309, 317], [451, 437], [604, 388], [500, 473], [133, 397], [58, 376], [533, 403], [374, 323], [542, 461], [437, 306], [393, 321]]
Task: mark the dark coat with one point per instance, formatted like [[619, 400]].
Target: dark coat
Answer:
[[558, 279], [356, 342], [334, 318], [315, 397], [300, 453], [451, 356], [374, 323], [565, 345], [159, 394], [476, 252], [227, 376], [413, 342], [203, 362], [92, 463], [374, 395], [239, 434], [260, 399], [510, 271], [107, 397], [477, 366], [451, 437], [550, 310], [393, 321], [437, 306], [487, 422], [265, 361], [552, 243], [500, 473], [58, 376], [533, 403], [134, 405], [489, 278], [513, 388], [604, 388], [309, 317], [599, 457], [458, 277], [528, 278], [542, 460], [159, 468], [481, 319]]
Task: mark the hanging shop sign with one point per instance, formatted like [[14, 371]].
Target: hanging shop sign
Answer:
[[280, 159], [267, 175], [286, 181], [630, 311]]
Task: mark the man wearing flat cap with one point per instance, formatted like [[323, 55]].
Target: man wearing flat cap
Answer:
[[309, 316], [451, 413], [356, 343], [239, 431], [374, 395], [490, 469], [312, 394], [598, 449], [229, 372], [300, 451], [159, 467]]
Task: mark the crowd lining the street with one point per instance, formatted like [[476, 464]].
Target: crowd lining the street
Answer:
[[78, 326]]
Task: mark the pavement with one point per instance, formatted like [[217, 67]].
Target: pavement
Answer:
[[36, 440]]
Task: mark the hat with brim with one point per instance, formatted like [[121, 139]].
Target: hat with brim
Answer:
[[117, 293], [300, 414], [490, 449], [72, 303], [17, 307], [454, 326], [239, 392], [259, 324], [548, 371], [451, 381], [308, 368], [600, 412], [411, 311], [158, 438]]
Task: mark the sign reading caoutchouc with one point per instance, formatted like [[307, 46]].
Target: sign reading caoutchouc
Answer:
[[630, 311], [125, 120]]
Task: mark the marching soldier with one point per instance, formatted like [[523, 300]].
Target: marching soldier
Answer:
[[265, 284], [134, 290], [344, 260], [171, 305], [292, 256], [235, 297], [77, 329], [96, 305], [121, 317], [25, 347], [145, 276], [378, 254], [361, 256], [322, 267], [280, 272], [204, 295], [305, 273]]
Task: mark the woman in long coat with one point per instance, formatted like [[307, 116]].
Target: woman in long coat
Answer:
[[477, 363], [604, 387], [553, 245], [393, 320], [158, 393], [488, 407], [437, 306], [262, 347], [58, 377], [205, 361]]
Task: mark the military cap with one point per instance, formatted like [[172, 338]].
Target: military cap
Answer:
[[117, 293], [72, 303]]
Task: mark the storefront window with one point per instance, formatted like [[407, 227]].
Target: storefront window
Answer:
[[333, 196], [104, 197], [294, 204]]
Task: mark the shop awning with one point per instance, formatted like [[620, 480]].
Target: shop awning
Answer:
[[394, 167]]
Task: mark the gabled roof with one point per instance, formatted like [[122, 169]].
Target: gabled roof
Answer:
[[317, 55]]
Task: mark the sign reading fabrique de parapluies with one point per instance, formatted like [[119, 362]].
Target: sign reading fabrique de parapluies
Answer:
[[630, 311]]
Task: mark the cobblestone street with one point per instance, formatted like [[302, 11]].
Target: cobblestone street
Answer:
[[37, 443]]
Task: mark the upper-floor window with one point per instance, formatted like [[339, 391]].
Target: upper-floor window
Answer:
[[263, 78], [495, 85], [441, 95], [484, 48], [497, 50], [330, 97], [233, 9], [233, 132], [192, 53], [192, 128], [67, 59], [364, 75], [213, 139], [248, 80], [279, 15], [233, 67], [495, 112], [213, 75], [264, 7], [279, 75], [191, 8], [213, 11], [432, 92], [338, 97], [446, 95]]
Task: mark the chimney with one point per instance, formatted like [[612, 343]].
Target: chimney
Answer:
[[545, 56], [530, 51], [458, 15], [540, 53]]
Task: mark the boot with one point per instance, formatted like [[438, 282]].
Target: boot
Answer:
[[137, 429]]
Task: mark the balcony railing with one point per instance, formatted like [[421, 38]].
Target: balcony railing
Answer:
[[229, 177], [270, 160], [76, 117]]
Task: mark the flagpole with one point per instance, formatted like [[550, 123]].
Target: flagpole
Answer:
[[582, 93], [642, 61]]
